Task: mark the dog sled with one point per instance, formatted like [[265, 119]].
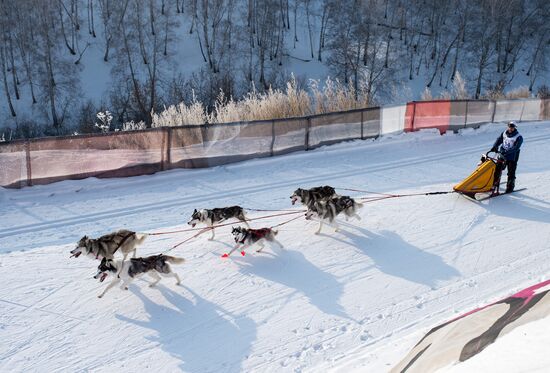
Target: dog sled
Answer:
[[484, 182]]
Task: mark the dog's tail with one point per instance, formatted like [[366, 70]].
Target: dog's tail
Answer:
[[174, 259], [274, 232], [358, 205]]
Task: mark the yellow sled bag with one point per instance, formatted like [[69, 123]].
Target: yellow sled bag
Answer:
[[482, 180]]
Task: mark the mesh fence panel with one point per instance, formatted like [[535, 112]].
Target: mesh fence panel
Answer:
[[331, 128], [479, 112], [531, 110], [13, 165], [392, 119], [112, 155], [371, 123], [545, 109], [431, 114], [222, 144], [457, 118], [254, 138], [186, 146], [289, 135], [508, 110]]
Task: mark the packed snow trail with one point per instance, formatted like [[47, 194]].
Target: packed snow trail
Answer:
[[409, 264]]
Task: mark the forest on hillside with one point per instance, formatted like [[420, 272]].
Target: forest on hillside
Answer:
[[244, 48]]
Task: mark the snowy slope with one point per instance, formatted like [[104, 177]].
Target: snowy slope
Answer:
[[356, 299]]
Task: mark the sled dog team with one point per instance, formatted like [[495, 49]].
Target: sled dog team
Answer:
[[322, 203]]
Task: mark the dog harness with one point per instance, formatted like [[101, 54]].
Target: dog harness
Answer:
[[119, 245], [255, 234]]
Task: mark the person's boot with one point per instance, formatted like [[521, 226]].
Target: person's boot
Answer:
[[510, 186]]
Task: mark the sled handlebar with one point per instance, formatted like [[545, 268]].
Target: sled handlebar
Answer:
[[497, 156]]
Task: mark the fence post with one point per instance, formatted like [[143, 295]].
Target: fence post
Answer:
[[362, 122], [167, 149], [28, 162], [413, 115], [162, 148], [272, 138], [308, 125], [465, 114], [522, 107], [494, 111]]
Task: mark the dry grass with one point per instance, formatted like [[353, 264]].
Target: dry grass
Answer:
[[459, 91], [426, 95], [272, 104], [179, 115], [519, 92], [132, 126], [445, 95]]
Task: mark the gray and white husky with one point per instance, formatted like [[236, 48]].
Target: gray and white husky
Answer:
[[309, 196], [327, 211], [248, 237], [106, 246], [217, 215], [152, 265]]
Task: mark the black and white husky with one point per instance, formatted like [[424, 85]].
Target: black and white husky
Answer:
[[248, 237], [152, 265], [217, 215], [309, 196], [106, 246], [327, 211]]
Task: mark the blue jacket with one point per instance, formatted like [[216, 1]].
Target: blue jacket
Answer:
[[508, 145]]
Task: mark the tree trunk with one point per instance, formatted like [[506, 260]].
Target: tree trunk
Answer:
[[5, 80]]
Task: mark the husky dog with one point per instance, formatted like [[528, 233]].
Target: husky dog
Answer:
[[248, 237], [327, 211], [152, 265], [106, 246], [309, 196], [217, 215]]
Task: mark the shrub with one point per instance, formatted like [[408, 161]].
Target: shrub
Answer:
[[519, 92], [543, 91], [495, 92]]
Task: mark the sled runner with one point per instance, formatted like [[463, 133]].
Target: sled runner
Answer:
[[485, 179]]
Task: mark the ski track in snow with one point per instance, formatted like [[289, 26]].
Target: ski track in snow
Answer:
[[317, 304]]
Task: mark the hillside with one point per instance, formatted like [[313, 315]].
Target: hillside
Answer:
[[64, 61]]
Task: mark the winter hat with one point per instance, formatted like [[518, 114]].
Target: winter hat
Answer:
[[512, 124]]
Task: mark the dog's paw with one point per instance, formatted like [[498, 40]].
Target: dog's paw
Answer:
[[100, 296], [151, 285], [178, 283]]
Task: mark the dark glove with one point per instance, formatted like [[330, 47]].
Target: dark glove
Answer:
[[493, 149]]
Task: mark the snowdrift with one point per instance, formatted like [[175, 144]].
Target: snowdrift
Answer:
[[466, 336]]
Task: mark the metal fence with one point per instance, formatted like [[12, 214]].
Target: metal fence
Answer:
[[121, 154]]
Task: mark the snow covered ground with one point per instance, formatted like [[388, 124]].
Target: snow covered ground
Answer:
[[357, 299]]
